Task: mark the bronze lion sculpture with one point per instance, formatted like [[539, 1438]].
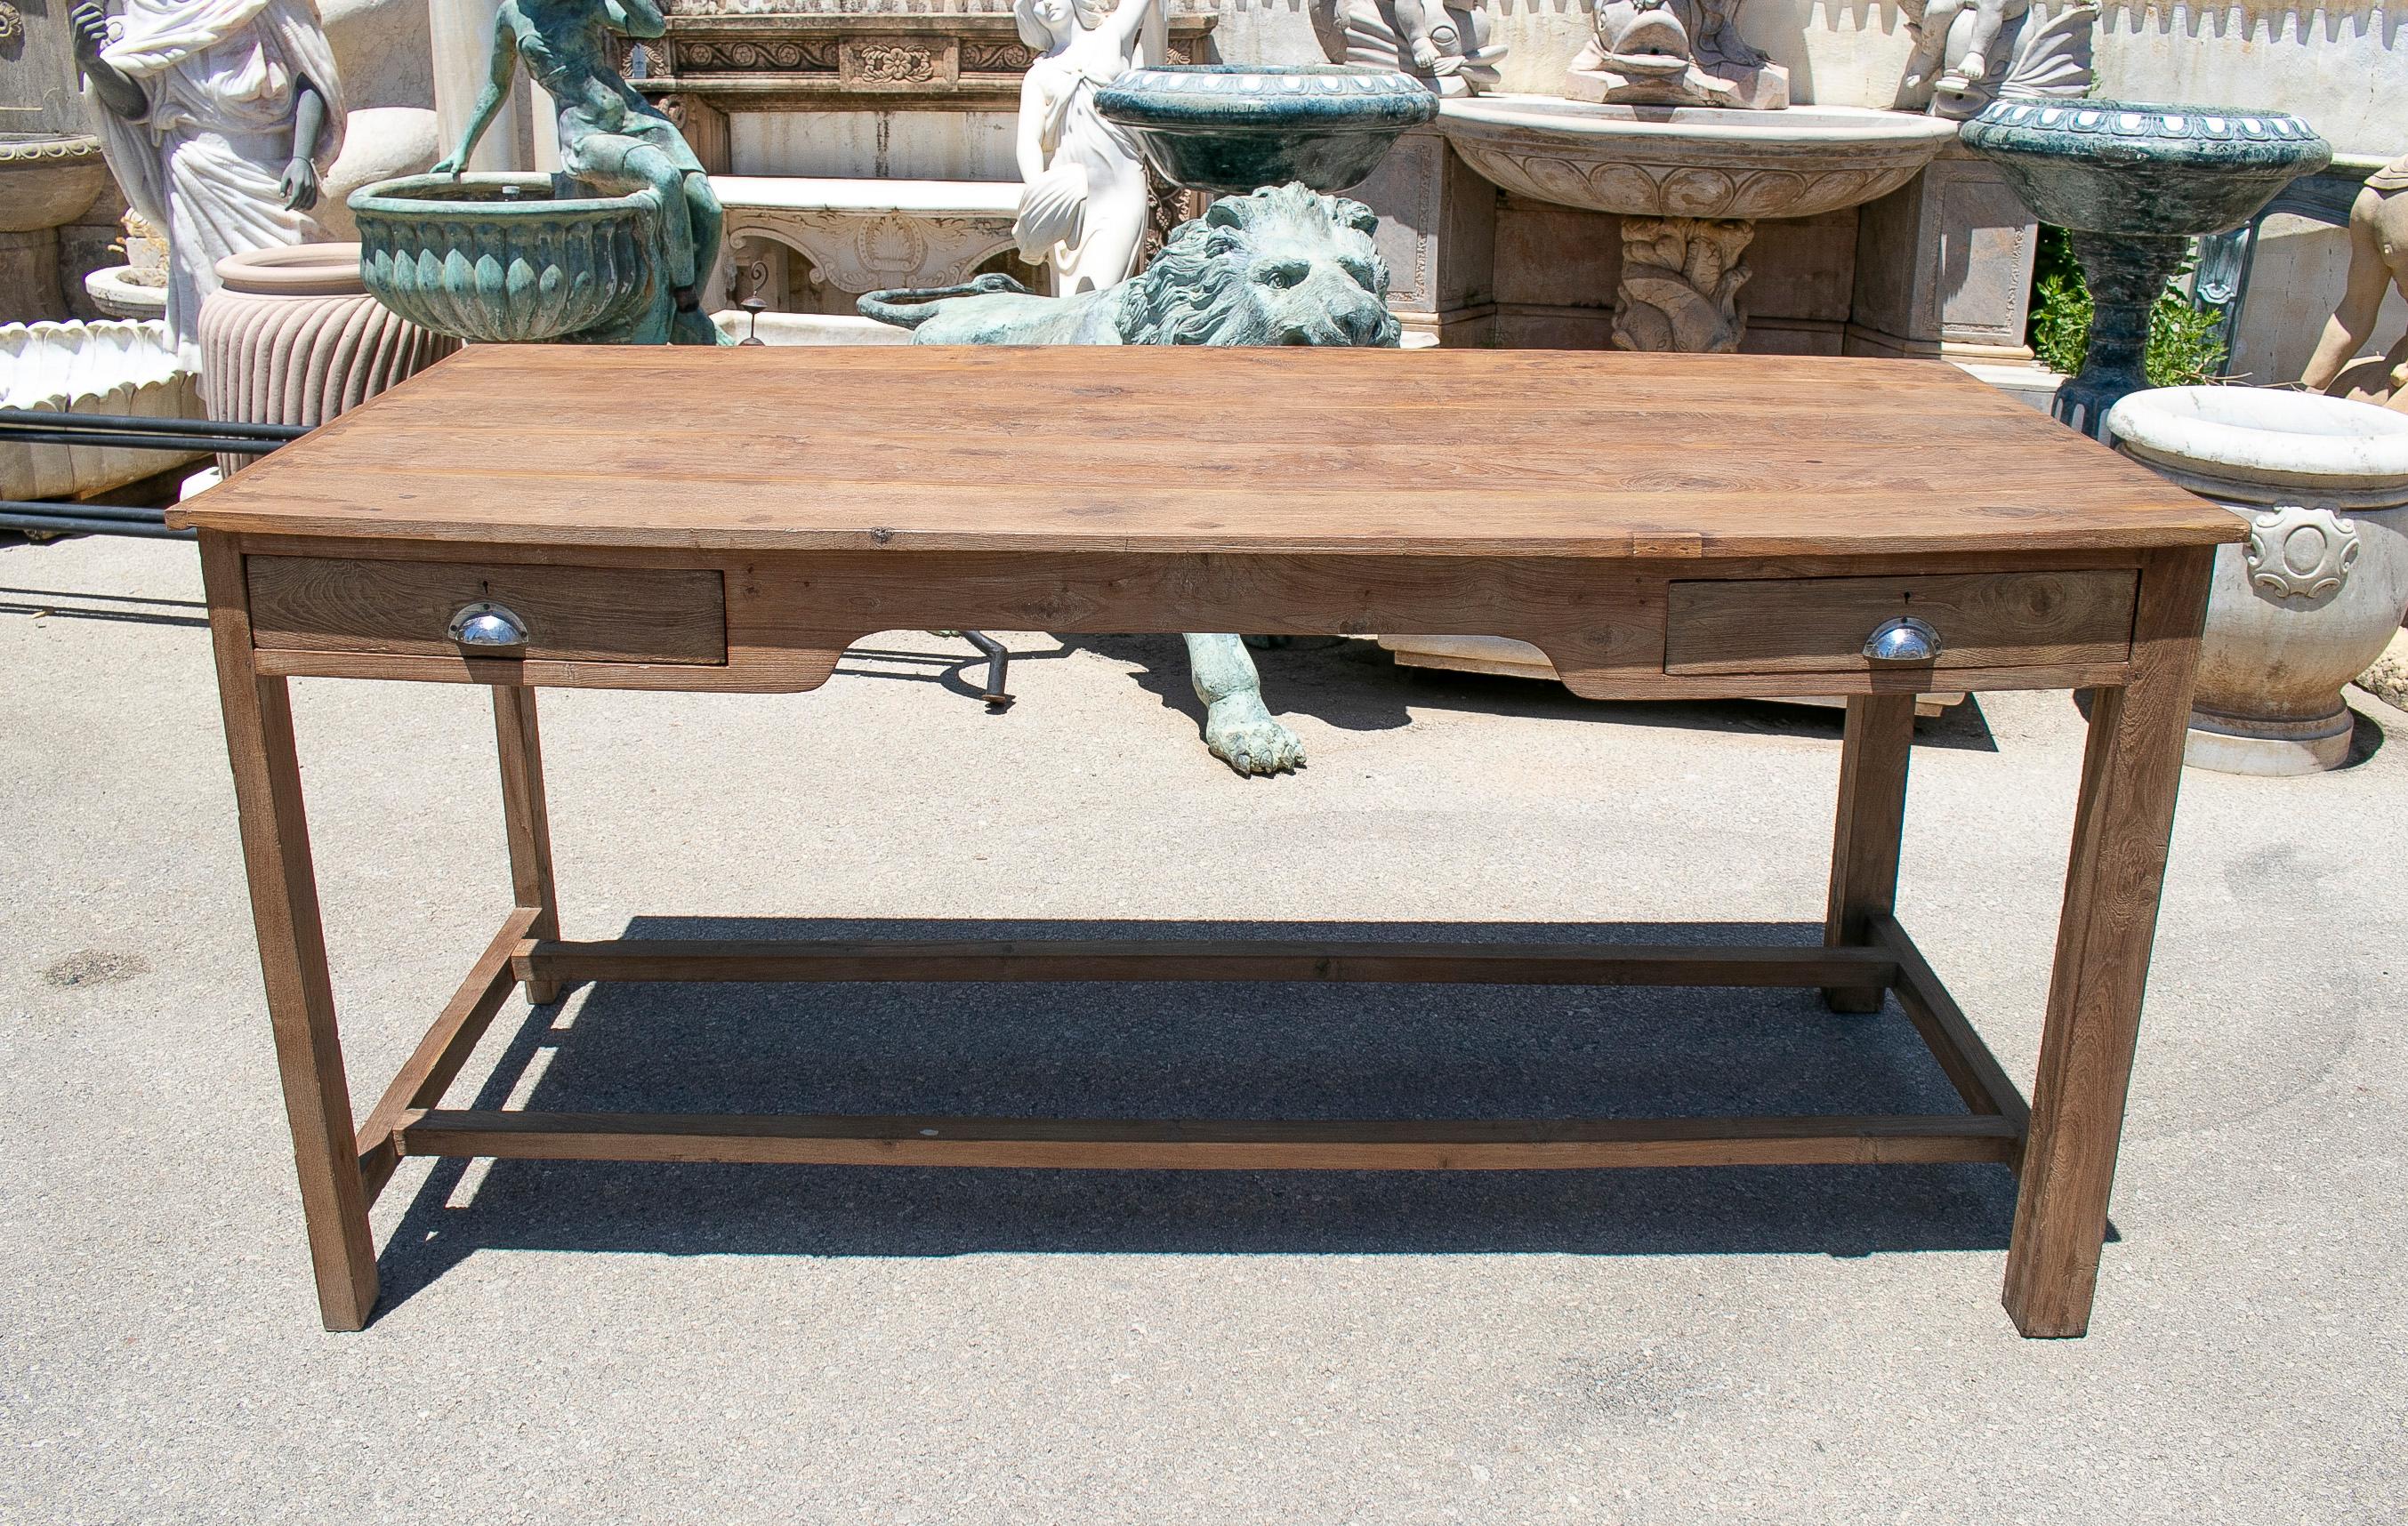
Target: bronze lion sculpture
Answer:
[[1283, 266]]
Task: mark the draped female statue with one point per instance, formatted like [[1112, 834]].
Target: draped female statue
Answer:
[[217, 116]]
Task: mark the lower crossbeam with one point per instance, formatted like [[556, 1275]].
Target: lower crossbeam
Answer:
[[1220, 1143], [1204, 959]]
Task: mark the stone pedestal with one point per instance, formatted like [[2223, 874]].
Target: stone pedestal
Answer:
[[1944, 266], [294, 338], [1438, 233]]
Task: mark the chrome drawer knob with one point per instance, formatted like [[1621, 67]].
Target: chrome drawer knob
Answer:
[[488, 627], [1902, 642]]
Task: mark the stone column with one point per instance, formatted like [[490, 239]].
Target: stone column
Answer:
[[462, 34]]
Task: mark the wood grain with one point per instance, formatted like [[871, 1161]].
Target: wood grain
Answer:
[[2130, 772], [1865, 836], [1166, 449], [292, 953], [527, 821], [1202, 958], [571, 614], [444, 1048], [1995, 619], [1970, 1067], [1210, 1145]]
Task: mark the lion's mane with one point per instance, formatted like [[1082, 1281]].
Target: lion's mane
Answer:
[[1199, 290]]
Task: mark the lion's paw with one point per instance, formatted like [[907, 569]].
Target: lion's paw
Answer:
[[1242, 733]]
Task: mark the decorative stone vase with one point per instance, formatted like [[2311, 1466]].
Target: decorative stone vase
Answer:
[[2317, 591], [513, 258], [2133, 183], [294, 338], [1232, 128]]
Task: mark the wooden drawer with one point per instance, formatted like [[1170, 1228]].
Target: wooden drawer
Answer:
[[1819, 624], [405, 609]]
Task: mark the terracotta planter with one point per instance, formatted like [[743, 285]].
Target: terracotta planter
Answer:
[[294, 338], [2316, 592]]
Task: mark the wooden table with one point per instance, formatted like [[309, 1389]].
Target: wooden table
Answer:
[[1661, 525]]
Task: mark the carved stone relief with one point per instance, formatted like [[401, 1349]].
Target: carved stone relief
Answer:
[[858, 251], [2295, 552]]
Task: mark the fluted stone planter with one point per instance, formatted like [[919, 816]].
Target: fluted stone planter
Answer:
[[2317, 591], [293, 337], [506, 258]]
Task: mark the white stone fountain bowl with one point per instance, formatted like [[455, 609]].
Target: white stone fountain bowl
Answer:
[[2266, 443], [104, 367], [1706, 162]]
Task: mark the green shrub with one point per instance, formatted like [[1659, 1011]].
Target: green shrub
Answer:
[[2184, 349]]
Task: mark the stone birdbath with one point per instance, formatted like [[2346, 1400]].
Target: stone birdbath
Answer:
[[513, 258], [1232, 129], [1690, 184], [2133, 183]]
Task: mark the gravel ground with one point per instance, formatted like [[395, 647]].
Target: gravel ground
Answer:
[[563, 1343]]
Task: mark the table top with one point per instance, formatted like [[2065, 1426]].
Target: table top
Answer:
[[1196, 450]]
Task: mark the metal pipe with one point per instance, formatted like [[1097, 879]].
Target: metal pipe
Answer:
[[998, 661], [47, 525], [213, 427], [197, 444], [132, 514]]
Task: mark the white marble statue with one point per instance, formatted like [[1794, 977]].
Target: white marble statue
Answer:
[[1446, 46], [218, 117], [1082, 198], [1970, 52]]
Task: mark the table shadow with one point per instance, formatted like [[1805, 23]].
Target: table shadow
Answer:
[[1234, 1050]]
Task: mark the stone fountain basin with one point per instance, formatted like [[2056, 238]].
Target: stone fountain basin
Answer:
[[505, 258], [1232, 127], [1699, 162], [2142, 169], [47, 180]]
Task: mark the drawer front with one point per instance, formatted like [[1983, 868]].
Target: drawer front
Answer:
[[1820, 624], [570, 614]]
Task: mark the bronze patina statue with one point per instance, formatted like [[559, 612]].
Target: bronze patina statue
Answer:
[[611, 136]]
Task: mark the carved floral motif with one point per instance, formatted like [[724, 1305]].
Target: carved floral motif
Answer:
[[886, 61], [758, 56], [12, 22]]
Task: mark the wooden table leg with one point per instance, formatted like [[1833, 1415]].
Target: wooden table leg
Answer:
[[528, 823], [292, 953], [2129, 774], [1864, 844]]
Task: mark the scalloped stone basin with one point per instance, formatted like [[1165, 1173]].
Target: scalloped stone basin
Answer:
[[500, 257], [1236, 127], [1689, 183], [1641, 161]]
